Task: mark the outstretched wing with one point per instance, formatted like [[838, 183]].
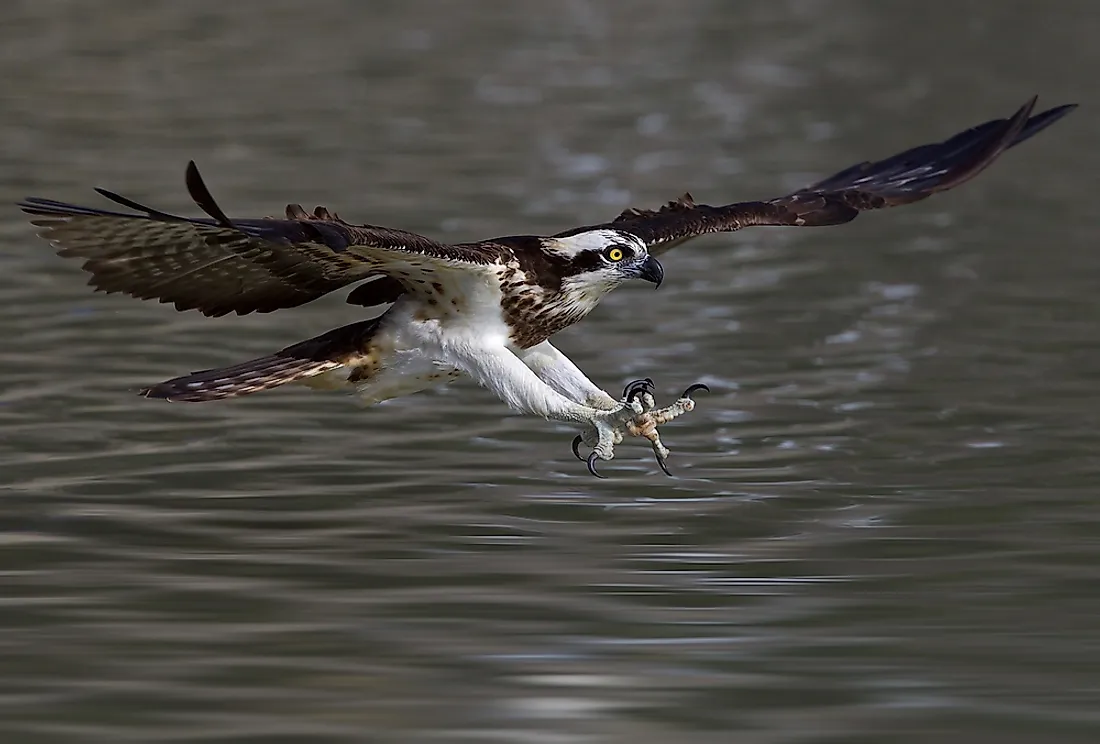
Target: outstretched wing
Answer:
[[218, 266], [904, 178]]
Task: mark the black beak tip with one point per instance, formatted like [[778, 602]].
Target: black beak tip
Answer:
[[652, 271]]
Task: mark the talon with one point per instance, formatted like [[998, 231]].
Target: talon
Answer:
[[576, 447], [695, 388], [591, 462], [661, 460], [637, 388]]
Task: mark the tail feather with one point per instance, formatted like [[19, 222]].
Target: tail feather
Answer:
[[241, 379], [314, 356]]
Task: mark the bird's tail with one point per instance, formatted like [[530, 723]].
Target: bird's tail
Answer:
[[337, 348]]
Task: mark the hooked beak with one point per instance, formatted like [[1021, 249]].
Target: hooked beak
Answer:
[[651, 270]]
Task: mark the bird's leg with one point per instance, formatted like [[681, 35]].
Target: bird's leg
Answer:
[[541, 381], [633, 414], [557, 371]]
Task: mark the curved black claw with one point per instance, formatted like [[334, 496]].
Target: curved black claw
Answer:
[[661, 461], [576, 447], [695, 388], [636, 388], [591, 461]]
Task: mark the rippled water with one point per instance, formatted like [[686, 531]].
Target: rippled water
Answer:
[[884, 526]]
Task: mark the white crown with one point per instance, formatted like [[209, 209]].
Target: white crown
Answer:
[[591, 240]]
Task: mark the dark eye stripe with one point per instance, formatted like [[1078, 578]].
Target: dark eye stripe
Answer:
[[593, 260]]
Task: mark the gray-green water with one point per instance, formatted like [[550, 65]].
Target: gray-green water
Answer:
[[885, 526]]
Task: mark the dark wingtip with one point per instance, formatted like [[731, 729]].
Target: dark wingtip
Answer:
[[1042, 120], [202, 196], [39, 206], [130, 203], [988, 151]]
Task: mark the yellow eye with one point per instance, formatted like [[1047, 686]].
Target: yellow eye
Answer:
[[615, 254]]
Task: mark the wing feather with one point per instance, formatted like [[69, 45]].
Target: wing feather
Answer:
[[217, 265], [907, 177]]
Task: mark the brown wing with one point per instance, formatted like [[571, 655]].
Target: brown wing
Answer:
[[904, 178], [219, 266]]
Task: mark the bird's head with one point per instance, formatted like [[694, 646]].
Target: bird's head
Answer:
[[597, 261]]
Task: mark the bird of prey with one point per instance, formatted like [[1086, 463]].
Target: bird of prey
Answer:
[[485, 309]]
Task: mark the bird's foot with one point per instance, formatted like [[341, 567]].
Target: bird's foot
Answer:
[[638, 417], [646, 424], [607, 428]]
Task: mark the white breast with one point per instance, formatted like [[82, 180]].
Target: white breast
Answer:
[[465, 313]]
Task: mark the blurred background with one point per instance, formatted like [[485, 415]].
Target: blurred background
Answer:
[[885, 522]]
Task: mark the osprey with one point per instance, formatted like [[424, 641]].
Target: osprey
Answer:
[[485, 309]]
